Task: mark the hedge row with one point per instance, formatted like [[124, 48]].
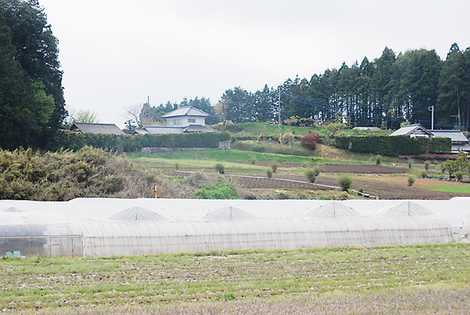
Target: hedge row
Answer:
[[127, 143], [393, 146]]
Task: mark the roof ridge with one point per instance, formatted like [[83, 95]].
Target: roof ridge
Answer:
[[107, 124]]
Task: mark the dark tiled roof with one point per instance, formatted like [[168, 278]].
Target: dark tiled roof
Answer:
[[98, 129]]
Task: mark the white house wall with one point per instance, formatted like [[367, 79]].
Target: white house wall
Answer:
[[185, 121]]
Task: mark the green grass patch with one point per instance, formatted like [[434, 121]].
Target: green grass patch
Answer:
[[450, 188]]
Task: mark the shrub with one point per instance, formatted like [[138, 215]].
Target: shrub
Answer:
[[220, 168], [287, 138], [345, 183], [311, 176], [333, 127], [269, 174], [460, 165], [411, 180], [220, 190], [424, 174], [378, 160], [65, 175], [459, 175], [310, 140], [274, 168], [228, 297], [316, 171], [427, 165]]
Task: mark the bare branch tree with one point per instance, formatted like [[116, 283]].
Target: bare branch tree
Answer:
[[133, 113]]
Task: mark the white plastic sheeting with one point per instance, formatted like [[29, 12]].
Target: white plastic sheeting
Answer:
[[137, 214], [110, 227], [407, 209], [333, 210], [227, 214]]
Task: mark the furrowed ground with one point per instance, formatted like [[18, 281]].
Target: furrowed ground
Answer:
[[424, 279]]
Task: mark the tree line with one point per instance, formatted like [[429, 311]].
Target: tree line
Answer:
[[385, 92], [32, 105]]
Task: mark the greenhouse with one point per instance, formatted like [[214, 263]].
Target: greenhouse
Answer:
[[112, 227]]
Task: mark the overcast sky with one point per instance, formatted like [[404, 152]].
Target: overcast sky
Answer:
[[115, 53]]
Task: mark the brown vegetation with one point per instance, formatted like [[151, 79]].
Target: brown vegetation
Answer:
[[64, 175]]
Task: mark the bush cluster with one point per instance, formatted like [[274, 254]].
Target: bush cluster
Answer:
[[127, 143], [64, 175], [411, 180], [220, 190], [345, 182], [312, 174], [220, 168], [457, 168], [393, 146]]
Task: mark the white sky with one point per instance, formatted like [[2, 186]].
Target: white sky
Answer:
[[115, 53]]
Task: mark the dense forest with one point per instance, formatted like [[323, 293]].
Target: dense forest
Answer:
[[32, 105], [385, 92]]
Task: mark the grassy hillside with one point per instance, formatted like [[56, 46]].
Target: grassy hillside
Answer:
[[169, 281]]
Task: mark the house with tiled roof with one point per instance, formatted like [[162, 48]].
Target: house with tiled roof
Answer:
[[97, 129], [182, 120], [459, 141]]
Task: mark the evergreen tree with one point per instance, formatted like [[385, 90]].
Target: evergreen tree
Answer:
[[25, 107], [451, 108], [36, 50], [238, 105]]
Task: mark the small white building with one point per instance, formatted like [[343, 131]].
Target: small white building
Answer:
[[186, 116], [181, 120]]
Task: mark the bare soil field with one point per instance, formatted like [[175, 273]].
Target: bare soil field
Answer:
[[361, 169], [389, 187]]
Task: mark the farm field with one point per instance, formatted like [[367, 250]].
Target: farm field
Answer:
[[386, 181], [417, 279], [240, 159]]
